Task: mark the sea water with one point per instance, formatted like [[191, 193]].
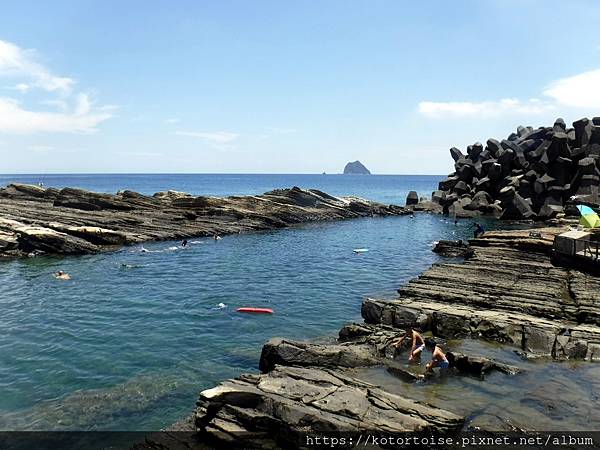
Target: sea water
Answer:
[[132, 338], [381, 188]]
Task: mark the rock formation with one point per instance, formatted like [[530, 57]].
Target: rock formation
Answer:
[[34, 220], [356, 167], [507, 291], [530, 175]]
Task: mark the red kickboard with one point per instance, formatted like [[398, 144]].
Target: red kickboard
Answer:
[[255, 310]]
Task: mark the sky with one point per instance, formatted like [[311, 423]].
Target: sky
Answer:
[[298, 86]]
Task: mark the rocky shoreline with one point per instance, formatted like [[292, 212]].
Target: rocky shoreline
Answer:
[[35, 220], [505, 290]]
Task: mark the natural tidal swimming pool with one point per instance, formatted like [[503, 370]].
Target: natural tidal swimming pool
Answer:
[[129, 342]]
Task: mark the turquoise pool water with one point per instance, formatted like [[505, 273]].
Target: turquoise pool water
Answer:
[[134, 336]]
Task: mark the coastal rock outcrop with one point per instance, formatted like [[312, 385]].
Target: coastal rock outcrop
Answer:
[[356, 168], [532, 174], [508, 291], [35, 220], [281, 408]]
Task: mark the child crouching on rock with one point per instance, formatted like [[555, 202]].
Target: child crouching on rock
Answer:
[[438, 358], [418, 344]]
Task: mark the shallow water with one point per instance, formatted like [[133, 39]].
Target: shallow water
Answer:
[[135, 335], [547, 395]]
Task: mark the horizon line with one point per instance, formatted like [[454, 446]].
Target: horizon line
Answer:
[[215, 173]]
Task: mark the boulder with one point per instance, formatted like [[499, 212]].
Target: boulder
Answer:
[[33, 238], [456, 154], [412, 198], [453, 249]]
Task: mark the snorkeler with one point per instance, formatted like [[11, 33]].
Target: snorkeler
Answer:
[[438, 357], [418, 344]]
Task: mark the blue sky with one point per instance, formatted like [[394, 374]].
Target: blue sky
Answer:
[[284, 87]]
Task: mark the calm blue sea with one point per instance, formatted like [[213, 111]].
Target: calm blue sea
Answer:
[[383, 188], [129, 342]]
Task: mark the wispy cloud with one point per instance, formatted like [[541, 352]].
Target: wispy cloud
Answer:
[[76, 112], [15, 119], [577, 91], [173, 120], [215, 137], [485, 109], [19, 63]]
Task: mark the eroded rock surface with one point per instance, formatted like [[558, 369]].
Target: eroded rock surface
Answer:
[[36, 220], [508, 291]]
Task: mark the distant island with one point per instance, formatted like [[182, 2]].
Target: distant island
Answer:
[[356, 167]]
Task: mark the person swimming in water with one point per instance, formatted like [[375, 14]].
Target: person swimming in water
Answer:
[[216, 237], [418, 344], [438, 357], [478, 229], [60, 275], [184, 243]]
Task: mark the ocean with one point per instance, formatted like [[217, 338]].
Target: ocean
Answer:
[[382, 188], [129, 342]]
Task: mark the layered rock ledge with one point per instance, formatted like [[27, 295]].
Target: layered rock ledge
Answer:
[[34, 220], [508, 291]]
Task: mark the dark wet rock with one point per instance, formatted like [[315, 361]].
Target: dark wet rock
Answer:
[[74, 221], [356, 168], [290, 353], [453, 249], [478, 366], [412, 198]]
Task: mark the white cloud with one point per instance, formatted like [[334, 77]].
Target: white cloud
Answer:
[[581, 90], [18, 120], [484, 109], [173, 120], [73, 112], [16, 62], [22, 87], [216, 137], [577, 91]]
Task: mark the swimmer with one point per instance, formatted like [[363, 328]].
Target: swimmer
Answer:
[[418, 344], [438, 357], [60, 275], [184, 243], [216, 237]]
